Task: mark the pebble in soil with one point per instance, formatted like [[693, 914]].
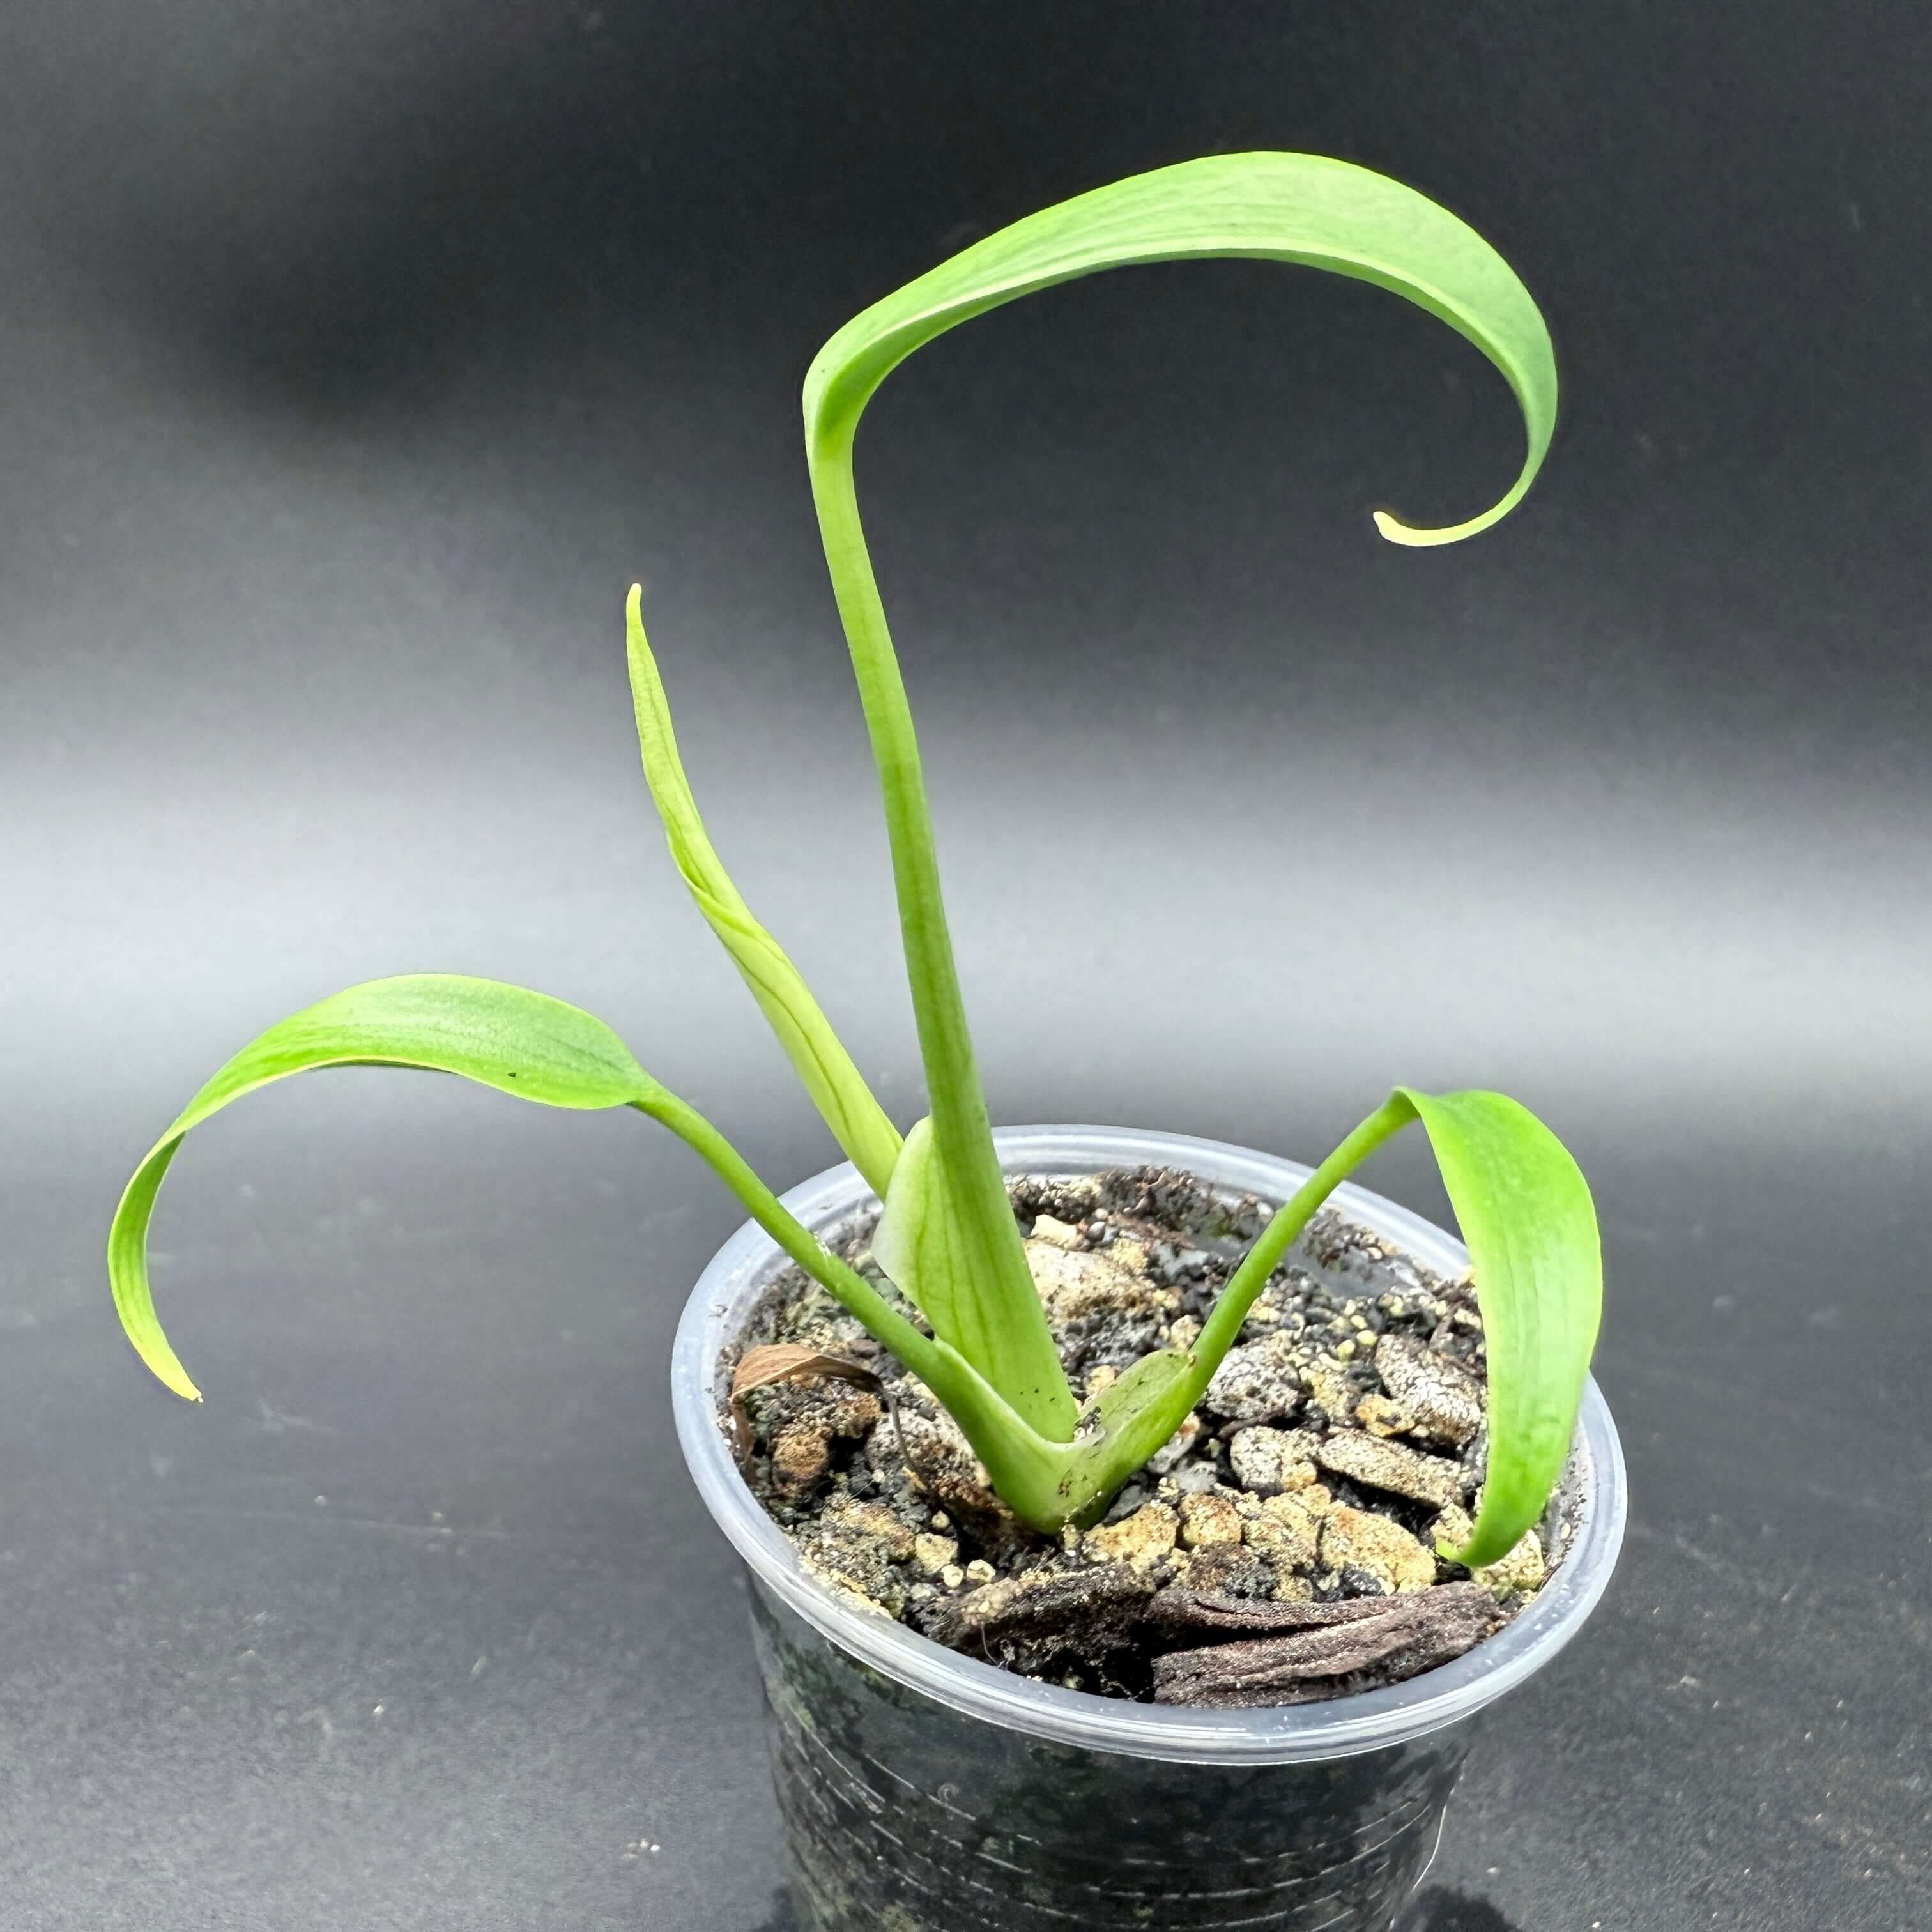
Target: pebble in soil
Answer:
[[1341, 1441]]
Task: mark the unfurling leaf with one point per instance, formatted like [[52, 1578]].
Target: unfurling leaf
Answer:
[[837, 1088]]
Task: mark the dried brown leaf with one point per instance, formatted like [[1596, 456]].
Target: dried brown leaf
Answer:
[[785, 1362], [1411, 1634], [1211, 1613]]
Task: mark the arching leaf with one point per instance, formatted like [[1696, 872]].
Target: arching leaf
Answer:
[[538, 1048], [1305, 208], [1536, 1262], [1531, 1228], [503, 1036]]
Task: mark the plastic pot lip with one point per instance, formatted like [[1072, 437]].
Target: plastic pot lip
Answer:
[[1369, 1720]]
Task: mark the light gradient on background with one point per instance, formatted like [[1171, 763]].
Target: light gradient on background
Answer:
[[349, 371]]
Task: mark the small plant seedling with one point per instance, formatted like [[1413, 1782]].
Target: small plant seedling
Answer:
[[968, 1320]]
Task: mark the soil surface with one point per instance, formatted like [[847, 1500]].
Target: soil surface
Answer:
[[1279, 1549]]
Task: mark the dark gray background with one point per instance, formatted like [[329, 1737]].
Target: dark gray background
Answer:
[[354, 360]]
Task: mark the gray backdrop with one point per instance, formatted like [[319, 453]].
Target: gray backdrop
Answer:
[[354, 361]]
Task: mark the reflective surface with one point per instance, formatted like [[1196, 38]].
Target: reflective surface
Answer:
[[899, 1812], [922, 1791], [839, 1207]]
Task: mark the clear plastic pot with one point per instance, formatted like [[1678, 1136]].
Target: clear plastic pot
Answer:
[[924, 1791]]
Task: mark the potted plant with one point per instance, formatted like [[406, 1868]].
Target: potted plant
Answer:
[[1134, 1521]]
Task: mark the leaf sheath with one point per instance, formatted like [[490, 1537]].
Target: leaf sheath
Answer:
[[925, 1248]]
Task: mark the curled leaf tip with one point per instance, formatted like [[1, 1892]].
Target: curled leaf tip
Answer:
[[1412, 538], [166, 1367]]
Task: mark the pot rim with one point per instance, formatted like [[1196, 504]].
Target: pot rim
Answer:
[[1366, 1720]]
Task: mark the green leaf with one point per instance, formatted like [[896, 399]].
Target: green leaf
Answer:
[[502, 1037], [1305, 208], [1527, 1218], [929, 1249], [1293, 207], [538, 1048], [837, 1088]]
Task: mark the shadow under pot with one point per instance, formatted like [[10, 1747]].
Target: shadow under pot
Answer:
[[923, 1790]]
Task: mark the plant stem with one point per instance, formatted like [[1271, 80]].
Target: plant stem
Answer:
[[855, 1294], [972, 1192], [959, 1116], [1224, 1323]]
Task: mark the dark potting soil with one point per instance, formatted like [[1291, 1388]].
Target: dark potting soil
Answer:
[[1279, 1549]]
